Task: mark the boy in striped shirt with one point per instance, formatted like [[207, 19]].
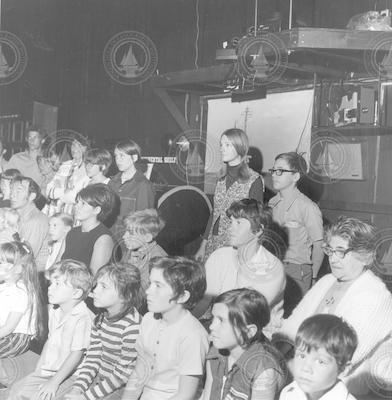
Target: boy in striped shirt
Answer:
[[111, 355]]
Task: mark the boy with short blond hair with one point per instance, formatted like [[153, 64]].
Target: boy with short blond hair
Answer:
[[69, 333]]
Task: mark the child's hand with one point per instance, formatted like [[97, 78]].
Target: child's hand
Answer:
[[48, 390], [75, 394]]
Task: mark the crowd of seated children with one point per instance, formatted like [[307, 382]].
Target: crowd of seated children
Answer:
[[21, 310], [142, 227], [97, 163], [70, 324]]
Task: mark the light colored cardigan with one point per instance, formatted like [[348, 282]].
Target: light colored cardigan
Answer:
[[367, 307]]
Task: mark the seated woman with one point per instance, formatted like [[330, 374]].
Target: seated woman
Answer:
[[247, 263], [353, 293]]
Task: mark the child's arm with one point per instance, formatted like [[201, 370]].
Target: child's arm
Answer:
[[48, 390], [187, 387], [136, 381], [265, 386], [11, 323], [123, 369], [102, 253]]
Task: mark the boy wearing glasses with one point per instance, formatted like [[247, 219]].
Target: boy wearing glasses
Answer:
[[302, 219]]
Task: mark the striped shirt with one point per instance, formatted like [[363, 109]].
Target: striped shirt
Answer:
[[110, 357]]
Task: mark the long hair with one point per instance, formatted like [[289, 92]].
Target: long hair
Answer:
[[240, 142], [246, 307], [24, 270]]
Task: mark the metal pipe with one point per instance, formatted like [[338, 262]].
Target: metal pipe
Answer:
[[291, 14]]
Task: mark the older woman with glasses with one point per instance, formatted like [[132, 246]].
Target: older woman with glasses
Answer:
[[352, 292]]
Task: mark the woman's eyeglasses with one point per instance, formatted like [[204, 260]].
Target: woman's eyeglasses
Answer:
[[339, 253], [280, 171]]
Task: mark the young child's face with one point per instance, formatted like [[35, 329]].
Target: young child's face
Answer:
[[287, 179], [240, 231], [60, 291], [92, 169], [123, 160], [105, 294], [57, 229], [315, 371], [134, 241], [222, 333], [159, 293]]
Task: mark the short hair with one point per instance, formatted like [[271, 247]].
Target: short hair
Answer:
[[258, 214], [10, 174], [246, 307], [127, 281], [129, 147], [101, 157], [32, 185], [329, 332], [36, 128], [75, 273], [295, 162], [67, 219], [360, 235], [99, 195], [144, 222], [182, 274]]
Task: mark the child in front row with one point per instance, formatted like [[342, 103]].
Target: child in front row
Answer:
[[9, 225], [21, 305], [69, 334], [111, 355], [324, 346], [172, 344], [242, 364], [142, 227]]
